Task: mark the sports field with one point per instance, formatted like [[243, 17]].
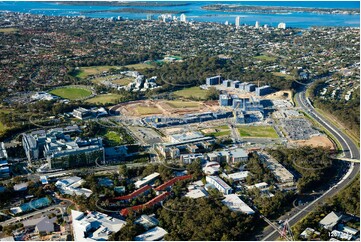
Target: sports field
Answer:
[[194, 92], [72, 92], [258, 131], [183, 104], [104, 99]]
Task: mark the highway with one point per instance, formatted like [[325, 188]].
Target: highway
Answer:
[[350, 150]]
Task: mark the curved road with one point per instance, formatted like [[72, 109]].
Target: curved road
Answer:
[[350, 150]]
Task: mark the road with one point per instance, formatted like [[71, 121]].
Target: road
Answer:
[[350, 150]]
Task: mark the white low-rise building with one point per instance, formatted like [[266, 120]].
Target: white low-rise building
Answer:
[[233, 202], [237, 176], [71, 186], [146, 180], [221, 185], [94, 226], [154, 234]]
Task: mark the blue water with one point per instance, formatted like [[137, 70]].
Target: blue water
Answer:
[[194, 12]]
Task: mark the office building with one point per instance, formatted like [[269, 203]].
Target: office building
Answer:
[[238, 22], [94, 226], [218, 183], [215, 80], [264, 90], [250, 87], [226, 83], [225, 100], [183, 18], [282, 25], [150, 17], [4, 165], [234, 155], [60, 150]]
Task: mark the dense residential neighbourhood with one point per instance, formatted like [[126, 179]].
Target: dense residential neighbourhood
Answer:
[[172, 129]]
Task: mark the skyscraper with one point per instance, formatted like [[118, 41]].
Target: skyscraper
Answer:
[[183, 18], [282, 25], [257, 25], [238, 22]]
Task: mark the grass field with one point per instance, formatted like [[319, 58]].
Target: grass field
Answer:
[[113, 138], [221, 131], [265, 58], [195, 92], [286, 76], [8, 30], [84, 72], [181, 104], [104, 99], [72, 93], [123, 81], [140, 66], [147, 110], [258, 131]]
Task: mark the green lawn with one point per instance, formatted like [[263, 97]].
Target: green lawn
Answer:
[[181, 104], [286, 76], [2, 127], [258, 131], [123, 81], [195, 92], [147, 110], [265, 58], [113, 138], [72, 93], [105, 98]]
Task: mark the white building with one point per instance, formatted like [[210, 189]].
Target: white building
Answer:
[[71, 186], [146, 180], [237, 176], [256, 25], [183, 18], [233, 202], [94, 226], [238, 22], [154, 234], [221, 185], [282, 25], [330, 221]]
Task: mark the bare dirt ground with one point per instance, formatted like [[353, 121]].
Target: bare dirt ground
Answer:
[[316, 141], [161, 107]]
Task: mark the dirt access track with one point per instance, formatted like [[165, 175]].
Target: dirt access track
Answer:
[[166, 108]]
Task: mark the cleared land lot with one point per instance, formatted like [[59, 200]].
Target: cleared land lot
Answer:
[[194, 92], [140, 66], [181, 104], [72, 93], [105, 98], [147, 110], [286, 76], [258, 131], [8, 30]]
